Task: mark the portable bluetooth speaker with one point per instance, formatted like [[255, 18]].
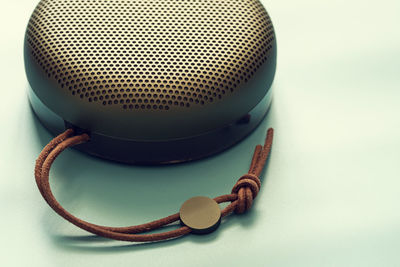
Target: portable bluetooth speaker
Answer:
[[151, 81]]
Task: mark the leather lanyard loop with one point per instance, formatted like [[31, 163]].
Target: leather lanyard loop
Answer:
[[241, 198]]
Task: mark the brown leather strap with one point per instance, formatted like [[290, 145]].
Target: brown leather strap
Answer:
[[241, 197]]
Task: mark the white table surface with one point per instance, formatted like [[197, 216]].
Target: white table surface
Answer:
[[331, 192]]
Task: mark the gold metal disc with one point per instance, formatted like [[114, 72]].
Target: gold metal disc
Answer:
[[201, 214]]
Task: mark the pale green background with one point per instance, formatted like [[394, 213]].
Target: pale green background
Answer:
[[331, 192]]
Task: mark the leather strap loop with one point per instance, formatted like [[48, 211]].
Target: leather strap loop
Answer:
[[241, 198]]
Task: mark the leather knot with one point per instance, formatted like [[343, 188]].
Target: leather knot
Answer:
[[246, 188]]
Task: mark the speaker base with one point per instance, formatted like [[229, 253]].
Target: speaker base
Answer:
[[160, 152]]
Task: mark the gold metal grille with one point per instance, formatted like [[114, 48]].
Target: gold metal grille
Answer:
[[150, 54]]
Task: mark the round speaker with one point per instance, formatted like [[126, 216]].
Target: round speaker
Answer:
[[151, 81]]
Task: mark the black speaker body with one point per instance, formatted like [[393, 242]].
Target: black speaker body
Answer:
[[151, 81]]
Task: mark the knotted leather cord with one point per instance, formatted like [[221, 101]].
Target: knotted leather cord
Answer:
[[241, 197]]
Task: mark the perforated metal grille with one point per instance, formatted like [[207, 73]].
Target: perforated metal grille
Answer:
[[150, 54]]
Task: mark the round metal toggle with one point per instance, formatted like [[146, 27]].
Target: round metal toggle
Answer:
[[201, 214]]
